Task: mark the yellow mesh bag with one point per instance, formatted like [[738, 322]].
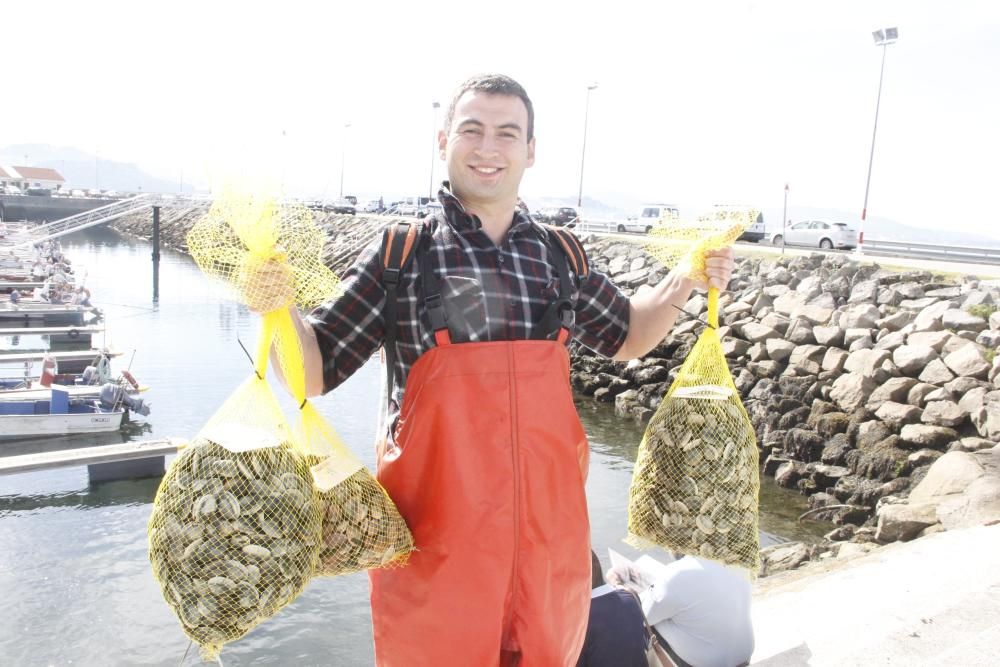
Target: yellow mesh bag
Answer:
[[696, 482], [235, 531], [362, 527]]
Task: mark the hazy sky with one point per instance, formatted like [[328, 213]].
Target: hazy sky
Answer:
[[697, 102]]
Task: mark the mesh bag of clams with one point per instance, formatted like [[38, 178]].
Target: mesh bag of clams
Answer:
[[361, 526], [696, 481], [235, 531]]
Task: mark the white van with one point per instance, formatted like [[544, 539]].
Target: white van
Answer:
[[644, 222]]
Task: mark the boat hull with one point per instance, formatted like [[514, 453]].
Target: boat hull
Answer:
[[17, 427]]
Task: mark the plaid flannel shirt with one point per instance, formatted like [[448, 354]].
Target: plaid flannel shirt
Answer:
[[490, 293]]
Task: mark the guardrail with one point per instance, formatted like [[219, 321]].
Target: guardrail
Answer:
[[972, 254]]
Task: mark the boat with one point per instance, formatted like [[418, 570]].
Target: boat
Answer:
[[57, 414], [46, 314], [70, 361]]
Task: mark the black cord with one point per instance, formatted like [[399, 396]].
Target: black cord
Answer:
[[252, 364], [693, 317]]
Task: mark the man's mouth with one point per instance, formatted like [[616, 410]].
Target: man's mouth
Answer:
[[488, 171]]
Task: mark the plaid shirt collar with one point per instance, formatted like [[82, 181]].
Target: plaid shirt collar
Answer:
[[462, 221]]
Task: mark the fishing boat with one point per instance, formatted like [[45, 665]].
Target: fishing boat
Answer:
[[58, 414], [46, 314]]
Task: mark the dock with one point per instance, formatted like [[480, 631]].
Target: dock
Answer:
[[142, 458], [51, 331]]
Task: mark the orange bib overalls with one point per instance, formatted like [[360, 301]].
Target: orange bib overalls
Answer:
[[487, 465]]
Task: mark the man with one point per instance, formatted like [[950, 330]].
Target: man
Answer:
[[484, 456], [616, 629], [699, 609]]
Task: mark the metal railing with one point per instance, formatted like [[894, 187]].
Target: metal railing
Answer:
[[948, 253]]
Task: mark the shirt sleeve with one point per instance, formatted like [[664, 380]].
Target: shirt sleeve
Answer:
[[665, 598], [602, 315], [350, 327]]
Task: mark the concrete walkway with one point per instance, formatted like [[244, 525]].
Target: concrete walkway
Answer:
[[933, 601]]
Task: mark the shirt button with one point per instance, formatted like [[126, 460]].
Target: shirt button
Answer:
[[500, 259]]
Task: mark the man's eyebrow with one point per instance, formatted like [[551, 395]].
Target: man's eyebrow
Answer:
[[470, 121], [511, 126]]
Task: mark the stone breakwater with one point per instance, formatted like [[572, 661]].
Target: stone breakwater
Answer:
[[876, 393]]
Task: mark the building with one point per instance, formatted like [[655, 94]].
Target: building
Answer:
[[31, 177]]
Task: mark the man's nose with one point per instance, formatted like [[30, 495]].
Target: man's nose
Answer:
[[488, 145]]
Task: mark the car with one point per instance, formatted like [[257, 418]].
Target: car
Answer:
[[371, 206], [560, 216], [817, 234], [77, 193], [647, 218], [749, 216], [39, 192], [10, 190], [352, 199], [341, 206]]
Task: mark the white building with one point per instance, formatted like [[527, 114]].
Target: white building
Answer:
[[31, 177]]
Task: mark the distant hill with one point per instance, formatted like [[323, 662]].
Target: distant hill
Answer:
[[84, 170]]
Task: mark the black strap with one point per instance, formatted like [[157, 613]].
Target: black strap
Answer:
[[559, 314], [395, 256]]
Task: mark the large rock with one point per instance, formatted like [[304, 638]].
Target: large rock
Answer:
[[950, 475], [779, 349], [934, 339], [869, 363], [813, 314], [852, 335], [908, 290], [891, 341], [959, 320], [919, 393], [834, 360], [756, 333], [912, 359], [949, 292], [893, 389], [936, 372], [896, 321], [968, 361], [808, 357], [852, 390], [904, 521], [864, 292], [860, 316], [987, 417], [917, 305], [995, 321], [898, 414], [944, 413], [929, 319], [831, 336], [781, 557], [922, 435], [810, 287], [787, 303], [734, 348]]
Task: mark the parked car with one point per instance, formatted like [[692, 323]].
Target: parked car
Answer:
[[561, 216], [370, 206], [341, 206], [10, 190], [39, 192], [746, 215], [429, 209], [77, 193], [647, 218], [817, 233]]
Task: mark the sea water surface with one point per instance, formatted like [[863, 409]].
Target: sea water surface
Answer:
[[75, 580]]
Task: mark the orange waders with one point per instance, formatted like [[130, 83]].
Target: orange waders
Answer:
[[487, 466]]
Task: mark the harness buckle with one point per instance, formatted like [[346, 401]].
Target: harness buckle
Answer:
[[391, 276]]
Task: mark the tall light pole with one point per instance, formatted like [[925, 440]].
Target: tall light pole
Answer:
[[586, 112], [343, 153], [882, 38], [784, 221], [434, 110]]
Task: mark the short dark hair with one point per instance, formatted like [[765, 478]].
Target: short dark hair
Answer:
[[492, 84]]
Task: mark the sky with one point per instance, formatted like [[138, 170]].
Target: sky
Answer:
[[697, 103]]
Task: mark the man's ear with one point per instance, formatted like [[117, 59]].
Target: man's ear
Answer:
[[531, 152], [442, 143]]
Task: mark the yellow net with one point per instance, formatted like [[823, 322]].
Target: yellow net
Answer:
[[680, 243], [235, 531], [241, 240], [696, 480]]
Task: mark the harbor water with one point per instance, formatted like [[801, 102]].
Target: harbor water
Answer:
[[74, 575]]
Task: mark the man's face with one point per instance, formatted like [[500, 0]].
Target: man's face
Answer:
[[486, 148]]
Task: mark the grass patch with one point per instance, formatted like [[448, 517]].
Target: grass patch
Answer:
[[983, 310]]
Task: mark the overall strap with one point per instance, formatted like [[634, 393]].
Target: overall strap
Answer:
[[568, 253], [398, 242], [434, 305]]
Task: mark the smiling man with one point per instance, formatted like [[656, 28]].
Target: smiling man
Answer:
[[483, 452]]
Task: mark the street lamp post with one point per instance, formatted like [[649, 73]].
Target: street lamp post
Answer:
[[784, 221], [583, 156], [343, 153], [882, 38], [434, 107]]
